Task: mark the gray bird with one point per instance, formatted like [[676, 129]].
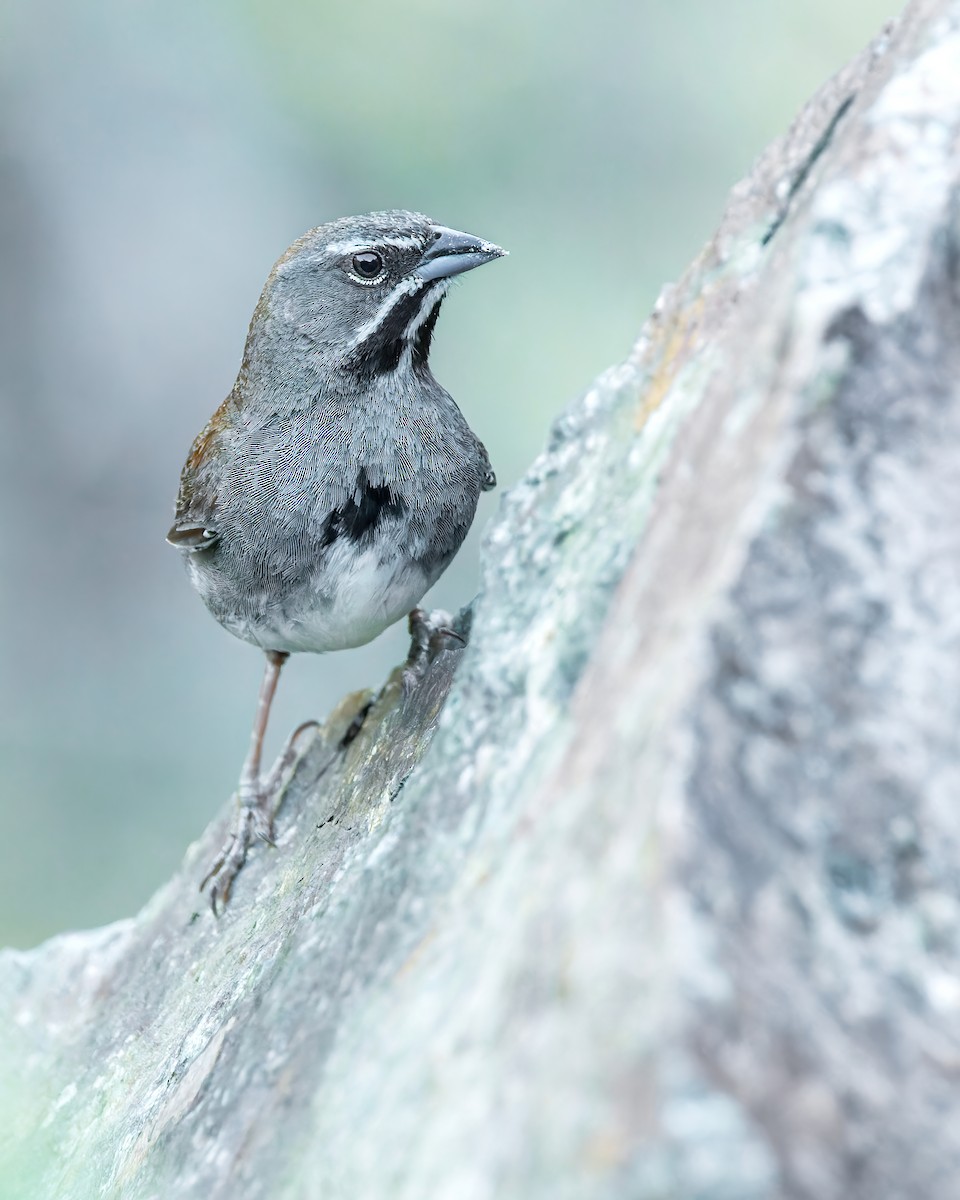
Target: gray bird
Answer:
[[338, 479]]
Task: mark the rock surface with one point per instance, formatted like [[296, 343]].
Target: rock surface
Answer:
[[652, 891]]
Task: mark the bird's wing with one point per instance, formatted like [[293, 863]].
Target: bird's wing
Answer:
[[195, 527], [488, 480], [188, 535]]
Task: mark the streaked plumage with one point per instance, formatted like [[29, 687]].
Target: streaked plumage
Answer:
[[337, 480]]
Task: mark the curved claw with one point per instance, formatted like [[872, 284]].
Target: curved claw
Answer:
[[227, 865], [262, 822], [215, 869], [443, 631], [301, 728]]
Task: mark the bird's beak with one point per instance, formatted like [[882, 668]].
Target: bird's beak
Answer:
[[450, 253]]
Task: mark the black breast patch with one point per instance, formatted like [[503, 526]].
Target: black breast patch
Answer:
[[358, 519]]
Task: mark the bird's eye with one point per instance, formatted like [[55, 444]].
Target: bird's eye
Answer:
[[367, 265]]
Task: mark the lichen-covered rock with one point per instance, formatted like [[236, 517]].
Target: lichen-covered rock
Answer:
[[651, 892]]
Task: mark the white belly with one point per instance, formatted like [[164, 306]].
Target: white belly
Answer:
[[355, 598]]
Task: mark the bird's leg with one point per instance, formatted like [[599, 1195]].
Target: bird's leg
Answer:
[[428, 632], [255, 796], [252, 797]]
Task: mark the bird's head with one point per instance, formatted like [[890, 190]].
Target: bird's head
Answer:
[[362, 294]]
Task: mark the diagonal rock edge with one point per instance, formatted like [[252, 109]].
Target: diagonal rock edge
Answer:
[[813, 915], [592, 942]]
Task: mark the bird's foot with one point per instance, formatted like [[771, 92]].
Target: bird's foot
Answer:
[[251, 823], [429, 633], [257, 802]]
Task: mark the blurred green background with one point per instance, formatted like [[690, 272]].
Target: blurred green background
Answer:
[[154, 160]]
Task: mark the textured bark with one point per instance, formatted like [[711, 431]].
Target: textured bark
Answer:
[[652, 891]]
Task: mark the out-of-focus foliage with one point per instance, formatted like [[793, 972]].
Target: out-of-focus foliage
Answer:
[[154, 160]]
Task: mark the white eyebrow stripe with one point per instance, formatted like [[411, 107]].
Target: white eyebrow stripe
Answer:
[[357, 247], [406, 287]]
